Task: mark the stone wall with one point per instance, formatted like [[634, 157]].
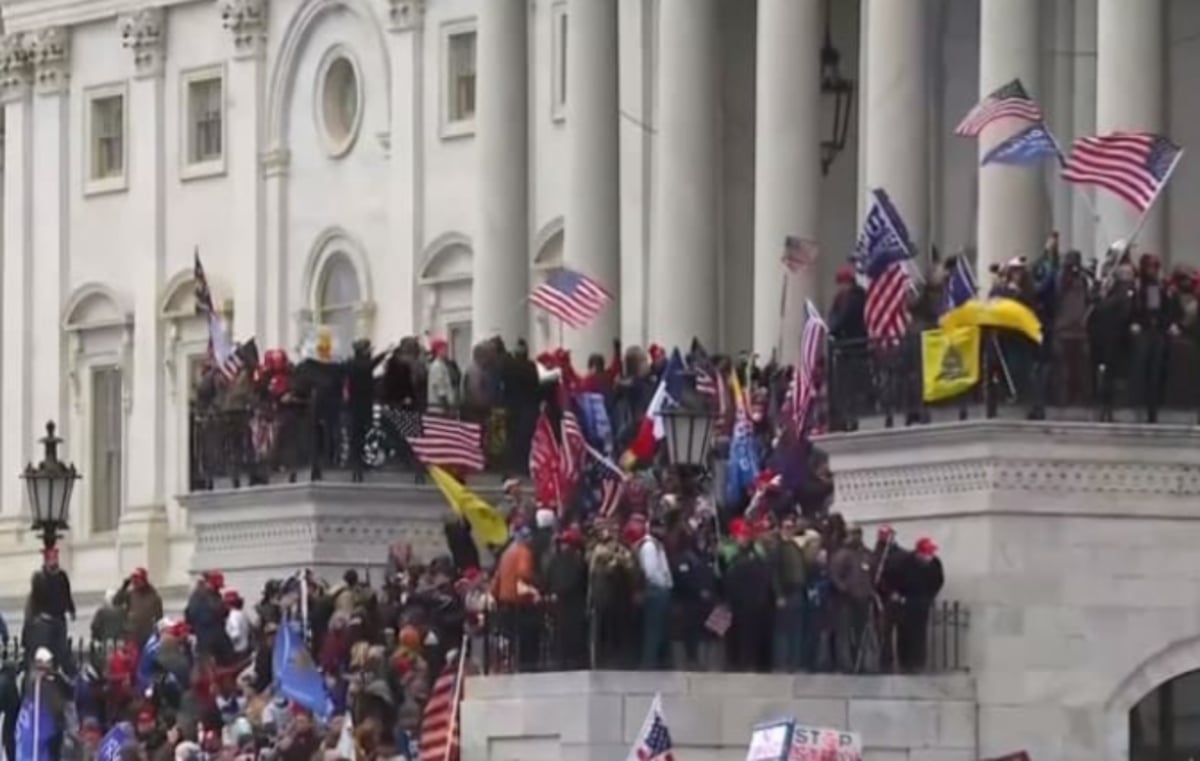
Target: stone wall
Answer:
[[595, 716]]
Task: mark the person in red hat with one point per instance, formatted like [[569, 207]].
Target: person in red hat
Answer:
[[142, 605], [205, 614], [919, 581], [440, 387], [748, 587]]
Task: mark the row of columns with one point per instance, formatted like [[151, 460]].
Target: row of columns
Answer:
[[894, 147]]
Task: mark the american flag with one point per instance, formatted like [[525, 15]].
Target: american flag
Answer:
[[221, 350], [574, 449], [1008, 100], [798, 253], [1134, 165], [882, 255], [439, 723], [441, 441], [654, 740], [572, 297], [545, 462], [612, 490], [804, 377]]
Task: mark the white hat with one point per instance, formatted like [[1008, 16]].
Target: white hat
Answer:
[[544, 518], [43, 657]]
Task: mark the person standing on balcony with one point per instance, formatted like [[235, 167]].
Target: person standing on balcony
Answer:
[[50, 601], [360, 390], [142, 605], [440, 387], [920, 579]]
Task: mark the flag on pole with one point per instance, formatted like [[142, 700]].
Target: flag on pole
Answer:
[[572, 297], [545, 462], [653, 742], [1008, 100], [220, 349], [612, 491], [1133, 165], [804, 375], [574, 447], [960, 286], [1029, 146], [439, 723], [882, 255], [444, 442], [798, 253]]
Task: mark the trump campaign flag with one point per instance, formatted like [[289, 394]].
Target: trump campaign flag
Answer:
[[1029, 146], [117, 738], [296, 676], [36, 726]]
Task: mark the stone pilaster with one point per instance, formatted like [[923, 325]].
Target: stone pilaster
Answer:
[[143, 33]]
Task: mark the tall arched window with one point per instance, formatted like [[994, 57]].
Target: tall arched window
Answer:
[[339, 299], [1166, 723]]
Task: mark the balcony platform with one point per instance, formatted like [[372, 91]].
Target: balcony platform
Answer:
[[256, 533], [595, 716], [1074, 545]]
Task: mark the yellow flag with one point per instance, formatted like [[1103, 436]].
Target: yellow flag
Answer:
[[1000, 312], [487, 524], [949, 362]]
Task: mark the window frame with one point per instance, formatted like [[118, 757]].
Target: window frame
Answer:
[[455, 128], [188, 168], [338, 147], [560, 40], [101, 185], [93, 368]]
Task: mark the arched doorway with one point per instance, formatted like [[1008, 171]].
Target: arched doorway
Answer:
[[1165, 724]]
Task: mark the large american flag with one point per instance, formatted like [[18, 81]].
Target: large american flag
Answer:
[[654, 740], [545, 462], [442, 441], [804, 377], [798, 253], [221, 350], [574, 449], [572, 297], [881, 255], [1134, 165], [1008, 100], [439, 724], [612, 491]]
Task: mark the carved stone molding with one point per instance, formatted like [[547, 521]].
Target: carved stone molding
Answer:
[[49, 58], [143, 33], [15, 70], [275, 162], [246, 20], [405, 15]]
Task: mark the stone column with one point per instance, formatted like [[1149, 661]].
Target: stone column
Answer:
[[895, 100], [1130, 66], [592, 241], [787, 175], [245, 87], [1083, 122], [1011, 198], [406, 156], [143, 516], [16, 434], [48, 50], [501, 256], [683, 258]]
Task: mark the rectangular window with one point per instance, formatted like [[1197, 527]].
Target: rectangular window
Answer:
[[205, 98], [106, 135], [108, 417], [558, 101], [460, 80]]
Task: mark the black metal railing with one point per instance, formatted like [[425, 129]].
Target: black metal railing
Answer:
[[1146, 376], [15, 653], [548, 637]]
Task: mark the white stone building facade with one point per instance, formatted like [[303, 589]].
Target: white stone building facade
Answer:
[[391, 167]]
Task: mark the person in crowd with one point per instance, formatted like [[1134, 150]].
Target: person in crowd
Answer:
[[748, 588], [441, 390], [566, 586], [919, 581], [1155, 319], [614, 580], [789, 576], [360, 383], [49, 604], [851, 574], [205, 615], [109, 621], [141, 604], [514, 588], [237, 625], [1072, 305], [656, 592]]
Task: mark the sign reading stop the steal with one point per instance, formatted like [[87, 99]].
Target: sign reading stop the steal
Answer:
[[823, 744]]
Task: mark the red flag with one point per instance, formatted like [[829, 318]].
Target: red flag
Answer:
[[545, 462]]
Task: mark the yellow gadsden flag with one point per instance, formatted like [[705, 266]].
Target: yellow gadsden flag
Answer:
[[487, 524], [949, 362], [1001, 312]]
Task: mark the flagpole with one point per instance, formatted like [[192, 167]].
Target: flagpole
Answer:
[[1137, 229], [462, 664], [37, 714], [783, 292]]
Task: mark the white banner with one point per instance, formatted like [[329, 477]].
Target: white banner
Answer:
[[822, 744]]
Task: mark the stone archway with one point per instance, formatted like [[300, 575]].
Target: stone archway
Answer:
[[1179, 659]]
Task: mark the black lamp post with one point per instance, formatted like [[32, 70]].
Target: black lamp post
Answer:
[[688, 432], [50, 485], [837, 94]]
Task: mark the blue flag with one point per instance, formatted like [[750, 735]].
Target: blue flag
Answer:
[[884, 238], [1028, 146], [296, 675], [596, 424], [145, 667], [742, 467], [36, 726], [673, 376], [118, 737], [960, 286]]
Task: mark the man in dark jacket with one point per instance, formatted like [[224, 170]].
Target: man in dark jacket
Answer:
[[205, 614], [141, 604], [788, 584], [919, 581], [566, 583], [50, 597], [748, 589]]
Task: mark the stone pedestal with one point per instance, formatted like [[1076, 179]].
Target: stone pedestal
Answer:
[[1073, 544]]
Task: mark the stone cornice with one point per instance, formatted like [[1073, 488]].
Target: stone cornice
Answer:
[[246, 21], [29, 15], [49, 57], [16, 73]]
